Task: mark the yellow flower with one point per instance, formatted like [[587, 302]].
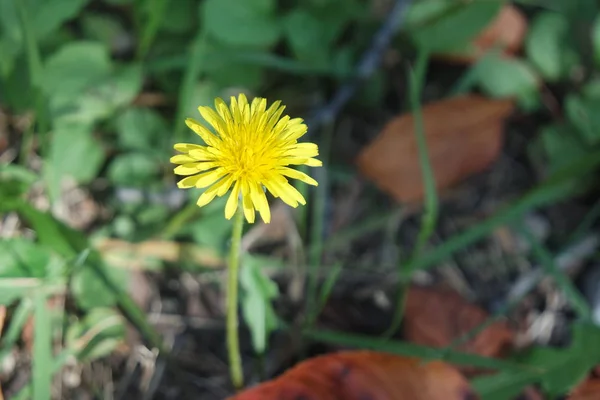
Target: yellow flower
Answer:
[[251, 149]]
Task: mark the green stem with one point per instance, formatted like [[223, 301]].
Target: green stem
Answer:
[[233, 344]]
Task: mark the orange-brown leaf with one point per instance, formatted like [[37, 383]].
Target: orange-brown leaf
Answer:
[[361, 375], [464, 136], [437, 317]]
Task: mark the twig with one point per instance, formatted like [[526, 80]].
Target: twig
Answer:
[[365, 68]]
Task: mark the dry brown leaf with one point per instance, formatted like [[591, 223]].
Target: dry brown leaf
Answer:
[[437, 317], [356, 375], [464, 136], [507, 31]]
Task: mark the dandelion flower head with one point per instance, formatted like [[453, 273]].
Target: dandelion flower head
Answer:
[[251, 149]]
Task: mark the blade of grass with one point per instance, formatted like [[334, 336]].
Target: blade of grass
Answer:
[[543, 256], [154, 13], [553, 189], [431, 206], [190, 78], [326, 290], [430, 215], [586, 224], [412, 350], [317, 224], [42, 347], [34, 65]]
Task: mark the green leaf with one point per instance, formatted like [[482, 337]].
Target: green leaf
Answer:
[[46, 17], [583, 113], [179, 19], [211, 230], [99, 100], [90, 292], [259, 291], [546, 44], [15, 180], [141, 129], [51, 14], [305, 35], [132, 169], [104, 28], [561, 146], [446, 25], [74, 153], [250, 23], [565, 368], [74, 67], [501, 77], [96, 335], [22, 258]]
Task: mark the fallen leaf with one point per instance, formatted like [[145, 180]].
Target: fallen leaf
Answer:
[[356, 375], [507, 31], [437, 317], [464, 136]]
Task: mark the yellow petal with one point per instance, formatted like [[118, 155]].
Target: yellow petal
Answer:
[[313, 162], [224, 186], [293, 193], [260, 202], [278, 190], [208, 178], [186, 147], [232, 201], [280, 126], [206, 165], [303, 150], [208, 196], [187, 169], [248, 208], [235, 109], [182, 159], [201, 131], [188, 182], [258, 106], [274, 115], [301, 176], [202, 154], [223, 111], [292, 160], [244, 107], [292, 133], [212, 118]]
